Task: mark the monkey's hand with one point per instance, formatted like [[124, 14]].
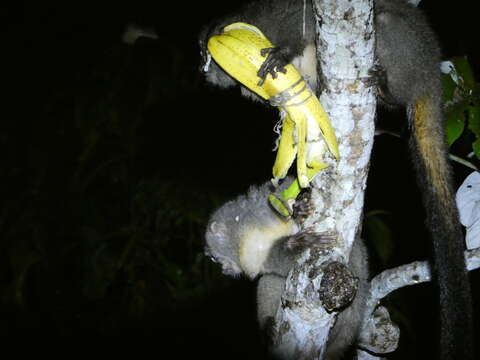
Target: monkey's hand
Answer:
[[322, 241], [277, 59], [303, 206], [378, 79], [287, 202], [284, 253], [377, 76]]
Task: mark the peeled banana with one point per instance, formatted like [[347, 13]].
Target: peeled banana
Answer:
[[305, 128]]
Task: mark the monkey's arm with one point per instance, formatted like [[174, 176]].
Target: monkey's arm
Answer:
[[284, 252]]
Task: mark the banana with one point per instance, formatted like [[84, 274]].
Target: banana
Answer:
[[306, 127], [283, 202]]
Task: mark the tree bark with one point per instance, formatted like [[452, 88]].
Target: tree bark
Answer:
[[345, 53]]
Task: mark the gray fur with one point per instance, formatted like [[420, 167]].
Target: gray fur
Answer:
[[269, 291], [405, 43], [234, 218], [407, 49], [248, 212], [286, 34], [348, 325]]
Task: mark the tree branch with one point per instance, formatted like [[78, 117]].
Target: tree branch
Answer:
[[406, 275], [345, 52], [379, 334]]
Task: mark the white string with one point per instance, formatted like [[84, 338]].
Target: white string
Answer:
[[304, 16]]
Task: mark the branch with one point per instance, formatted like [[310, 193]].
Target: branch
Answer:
[[379, 334], [345, 53], [406, 275]]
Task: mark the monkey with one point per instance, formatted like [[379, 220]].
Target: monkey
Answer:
[[406, 75], [247, 236]]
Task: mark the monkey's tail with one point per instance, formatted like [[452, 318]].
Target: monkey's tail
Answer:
[[429, 151]]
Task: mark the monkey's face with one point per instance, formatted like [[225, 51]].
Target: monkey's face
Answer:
[[228, 267], [221, 249]]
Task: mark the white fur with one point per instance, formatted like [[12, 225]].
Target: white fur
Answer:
[[256, 243]]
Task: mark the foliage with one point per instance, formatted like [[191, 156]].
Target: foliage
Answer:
[[99, 235], [462, 100]]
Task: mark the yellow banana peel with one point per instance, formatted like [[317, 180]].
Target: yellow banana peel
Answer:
[[237, 50], [283, 202]]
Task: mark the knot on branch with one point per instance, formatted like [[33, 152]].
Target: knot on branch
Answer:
[[338, 286], [379, 335]]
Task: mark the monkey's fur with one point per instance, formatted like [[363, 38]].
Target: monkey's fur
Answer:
[[247, 236], [408, 75]]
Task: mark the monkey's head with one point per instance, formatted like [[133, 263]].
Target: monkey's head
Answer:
[[213, 73], [222, 247]]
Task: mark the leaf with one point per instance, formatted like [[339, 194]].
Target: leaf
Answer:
[[449, 87], [465, 72], [380, 236], [455, 123], [476, 148], [474, 120], [468, 203]]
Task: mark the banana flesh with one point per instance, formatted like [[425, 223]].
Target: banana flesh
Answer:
[[306, 127]]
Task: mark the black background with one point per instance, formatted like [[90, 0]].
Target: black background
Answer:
[[191, 135]]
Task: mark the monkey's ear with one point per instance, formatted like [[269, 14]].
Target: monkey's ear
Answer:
[[213, 227], [218, 229]]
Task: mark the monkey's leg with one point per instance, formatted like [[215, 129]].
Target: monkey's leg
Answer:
[[269, 290]]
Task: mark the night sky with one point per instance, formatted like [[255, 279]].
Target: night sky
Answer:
[[89, 120]]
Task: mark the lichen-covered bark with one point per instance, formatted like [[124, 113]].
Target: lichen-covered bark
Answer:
[[345, 53]]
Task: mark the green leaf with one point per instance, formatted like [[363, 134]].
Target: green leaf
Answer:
[[476, 148], [474, 120], [465, 72], [449, 87], [455, 122], [379, 235]]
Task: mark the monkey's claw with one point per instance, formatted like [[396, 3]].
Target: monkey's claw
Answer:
[[377, 76], [311, 240], [275, 62], [303, 206], [379, 81]]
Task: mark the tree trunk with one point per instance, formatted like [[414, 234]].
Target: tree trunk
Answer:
[[345, 52]]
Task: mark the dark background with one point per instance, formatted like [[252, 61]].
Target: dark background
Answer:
[[114, 155]]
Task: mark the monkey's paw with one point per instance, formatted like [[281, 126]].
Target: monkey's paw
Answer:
[[377, 76], [379, 81], [303, 206], [275, 62], [311, 240]]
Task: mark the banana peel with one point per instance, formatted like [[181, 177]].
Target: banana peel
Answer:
[[283, 202], [305, 128]]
